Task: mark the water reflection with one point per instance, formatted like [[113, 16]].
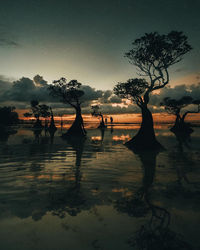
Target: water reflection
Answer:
[[155, 233], [47, 178]]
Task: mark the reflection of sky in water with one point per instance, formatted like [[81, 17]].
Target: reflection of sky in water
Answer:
[[63, 195]]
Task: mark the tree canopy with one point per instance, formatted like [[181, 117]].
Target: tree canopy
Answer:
[[132, 90], [8, 116], [38, 110], [173, 106], [153, 54], [68, 92]]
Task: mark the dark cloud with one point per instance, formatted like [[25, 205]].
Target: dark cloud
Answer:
[[8, 42], [19, 93], [177, 92], [5, 84], [115, 99], [24, 90], [90, 94], [39, 80]]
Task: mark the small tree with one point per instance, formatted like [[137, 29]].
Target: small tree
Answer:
[[38, 111], [97, 113], [152, 54], [28, 114], [173, 106], [52, 126], [70, 93], [8, 116]]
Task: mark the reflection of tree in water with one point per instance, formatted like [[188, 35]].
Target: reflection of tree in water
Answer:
[[181, 159], [37, 134], [136, 205], [183, 139], [71, 201], [5, 133], [41, 191], [155, 234]]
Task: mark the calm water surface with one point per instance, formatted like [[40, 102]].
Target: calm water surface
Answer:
[[97, 194]]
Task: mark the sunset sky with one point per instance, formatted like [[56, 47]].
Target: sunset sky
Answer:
[[87, 39]]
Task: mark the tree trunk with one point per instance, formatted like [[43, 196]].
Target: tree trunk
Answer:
[[145, 138], [102, 124], [77, 129], [181, 127]]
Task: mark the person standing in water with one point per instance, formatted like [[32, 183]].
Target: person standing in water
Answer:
[[111, 120]]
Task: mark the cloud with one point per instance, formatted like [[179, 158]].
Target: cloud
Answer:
[[115, 99], [5, 84], [19, 93], [25, 89], [8, 42], [176, 92], [39, 80], [90, 94]]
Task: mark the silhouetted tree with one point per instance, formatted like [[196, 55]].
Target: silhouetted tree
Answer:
[[70, 93], [8, 116], [61, 121], [52, 126], [38, 110], [173, 106], [97, 113], [28, 114], [152, 54]]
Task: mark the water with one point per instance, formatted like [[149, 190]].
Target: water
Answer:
[[97, 194]]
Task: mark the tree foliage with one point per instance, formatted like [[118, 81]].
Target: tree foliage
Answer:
[[132, 90], [8, 116], [95, 110], [68, 92], [173, 106], [38, 110], [153, 54]]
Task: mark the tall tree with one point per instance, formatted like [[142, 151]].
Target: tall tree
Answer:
[[70, 93], [152, 54]]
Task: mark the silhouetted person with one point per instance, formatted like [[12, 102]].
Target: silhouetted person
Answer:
[[106, 120], [111, 120]]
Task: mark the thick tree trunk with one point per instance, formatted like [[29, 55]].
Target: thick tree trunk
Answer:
[[180, 127], [77, 129], [145, 138]]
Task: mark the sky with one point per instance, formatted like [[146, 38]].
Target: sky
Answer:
[[86, 39]]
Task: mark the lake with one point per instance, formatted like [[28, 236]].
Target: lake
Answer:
[[97, 194]]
